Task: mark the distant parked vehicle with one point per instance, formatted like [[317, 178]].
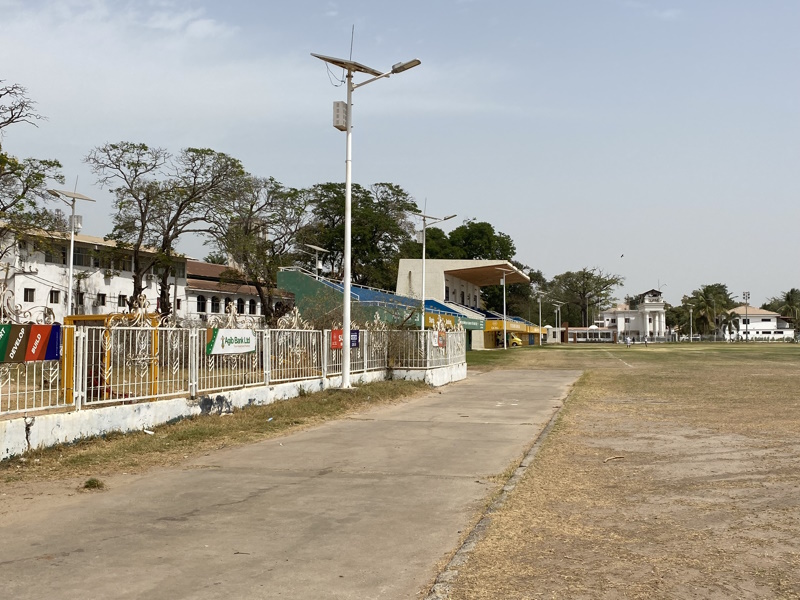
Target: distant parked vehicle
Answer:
[[514, 341]]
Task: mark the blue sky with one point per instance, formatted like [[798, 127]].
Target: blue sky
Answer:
[[667, 132]]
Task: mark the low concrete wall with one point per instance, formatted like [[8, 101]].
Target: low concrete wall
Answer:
[[25, 433]]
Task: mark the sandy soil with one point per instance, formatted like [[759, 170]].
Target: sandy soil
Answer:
[[652, 491]]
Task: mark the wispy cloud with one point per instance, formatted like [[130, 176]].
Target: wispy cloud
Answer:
[[663, 14], [669, 14]]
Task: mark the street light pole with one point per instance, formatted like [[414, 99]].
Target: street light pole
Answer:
[[424, 228], [73, 197], [540, 320], [691, 318], [503, 282], [746, 297], [352, 67]]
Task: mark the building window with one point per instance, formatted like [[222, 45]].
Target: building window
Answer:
[[766, 320], [627, 320], [446, 294], [201, 304], [745, 321], [122, 301], [252, 310], [124, 263], [84, 257], [177, 303], [29, 295], [101, 299], [55, 296], [462, 297], [81, 296], [214, 304], [475, 301], [613, 321], [240, 306], [56, 255]]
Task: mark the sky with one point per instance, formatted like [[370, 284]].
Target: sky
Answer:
[[659, 141]]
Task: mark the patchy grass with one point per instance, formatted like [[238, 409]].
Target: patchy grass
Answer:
[[703, 505], [93, 484], [173, 443]]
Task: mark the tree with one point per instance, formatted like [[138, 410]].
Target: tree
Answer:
[[787, 304], [582, 290], [707, 303], [216, 258], [23, 182], [380, 223], [256, 222], [478, 240], [729, 322], [158, 198]]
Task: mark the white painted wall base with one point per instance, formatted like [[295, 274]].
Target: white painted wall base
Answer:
[[25, 433]]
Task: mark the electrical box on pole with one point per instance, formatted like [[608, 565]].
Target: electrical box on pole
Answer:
[[340, 115]]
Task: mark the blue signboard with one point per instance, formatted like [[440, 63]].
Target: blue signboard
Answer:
[[354, 338]]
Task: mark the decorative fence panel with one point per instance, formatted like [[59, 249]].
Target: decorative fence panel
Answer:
[[295, 354], [34, 386], [119, 364]]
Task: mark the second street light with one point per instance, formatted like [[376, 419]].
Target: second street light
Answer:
[[70, 198], [424, 228], [343, 121]]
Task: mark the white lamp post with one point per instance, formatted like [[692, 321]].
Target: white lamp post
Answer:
[[317, 250], [540, 320], [558, 304], [424, 228], [73, 196], [347, 126], [503, 281], [746, 298], [691, 325]]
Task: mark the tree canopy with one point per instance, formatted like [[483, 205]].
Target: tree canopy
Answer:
[[23, 182], [158, 198]]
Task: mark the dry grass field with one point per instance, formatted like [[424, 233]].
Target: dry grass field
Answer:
[[671, 473]]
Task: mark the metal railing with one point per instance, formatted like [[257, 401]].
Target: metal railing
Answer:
[[33, 386], [112, 365]]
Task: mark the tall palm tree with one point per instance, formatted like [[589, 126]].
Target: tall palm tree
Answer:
[[789, 303], [730, 324]]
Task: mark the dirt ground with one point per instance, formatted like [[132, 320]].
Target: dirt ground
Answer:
[[672, 474]]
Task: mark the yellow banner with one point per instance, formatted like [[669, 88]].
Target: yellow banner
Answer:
[[510, 326], [431, 319]]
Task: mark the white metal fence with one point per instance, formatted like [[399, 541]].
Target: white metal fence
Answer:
[[101, 366]]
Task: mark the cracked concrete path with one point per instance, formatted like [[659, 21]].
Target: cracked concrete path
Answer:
[[365, 507]]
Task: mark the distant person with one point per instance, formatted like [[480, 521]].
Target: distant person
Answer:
[[628, 342], [645, 341]]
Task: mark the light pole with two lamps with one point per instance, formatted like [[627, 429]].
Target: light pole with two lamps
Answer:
[[503, 282], [746, 298], [344, 122], [424, 228], [73, 197]]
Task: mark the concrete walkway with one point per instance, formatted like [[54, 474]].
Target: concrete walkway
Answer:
[[366, 507]]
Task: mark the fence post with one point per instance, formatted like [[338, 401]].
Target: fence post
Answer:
[[194, 349], [326, 337], [267, 344], [427, 335], [365, 354], [81, 352]]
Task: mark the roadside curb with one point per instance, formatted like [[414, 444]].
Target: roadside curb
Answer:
[[440, 590]]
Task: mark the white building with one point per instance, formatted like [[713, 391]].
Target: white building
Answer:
[[36, 283], [647, 319], [757, 324]]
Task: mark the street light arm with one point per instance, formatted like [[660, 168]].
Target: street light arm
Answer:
[[398, 68]]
